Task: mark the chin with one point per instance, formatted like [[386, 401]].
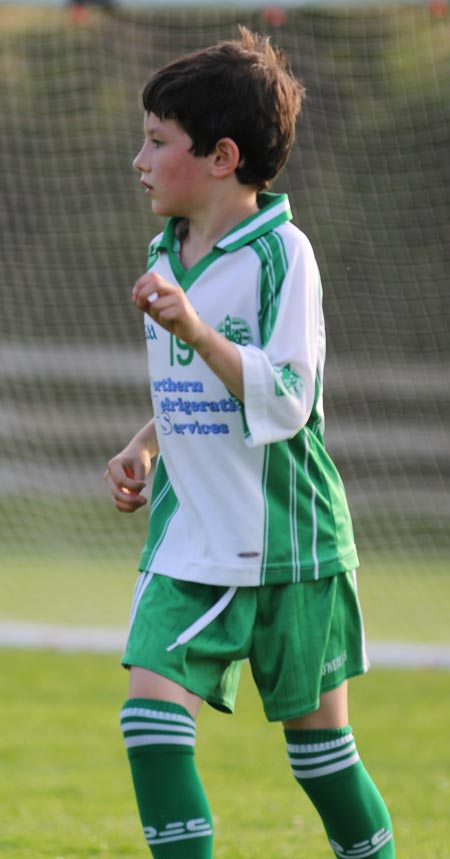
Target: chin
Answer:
[[160, 209], [165, 210]]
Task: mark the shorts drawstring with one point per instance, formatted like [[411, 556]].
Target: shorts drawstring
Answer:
[[205, 619]]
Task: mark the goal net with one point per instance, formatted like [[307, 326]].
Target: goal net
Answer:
[[369, 182]]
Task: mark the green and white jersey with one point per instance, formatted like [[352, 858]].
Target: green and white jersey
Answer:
[[246, 494]]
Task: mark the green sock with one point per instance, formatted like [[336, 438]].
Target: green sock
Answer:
[[327, 765], [160, 740]]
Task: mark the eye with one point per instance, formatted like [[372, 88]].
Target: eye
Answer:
[[156, 143]]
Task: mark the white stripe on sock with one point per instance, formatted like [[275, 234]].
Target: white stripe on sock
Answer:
[[158, 740], [299, 759], [157, 714], [320, 771], [157, 726], [321, 747]]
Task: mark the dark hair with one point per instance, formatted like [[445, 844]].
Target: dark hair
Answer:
[[243, 89]]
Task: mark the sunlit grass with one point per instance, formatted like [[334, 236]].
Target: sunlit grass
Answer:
[[66, 791], [403, 600]]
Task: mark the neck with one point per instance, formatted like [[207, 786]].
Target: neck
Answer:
[[207, 226]]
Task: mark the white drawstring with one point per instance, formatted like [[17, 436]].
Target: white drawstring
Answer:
[[205, 619]]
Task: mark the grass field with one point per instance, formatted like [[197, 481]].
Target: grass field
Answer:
[[403, 600], [67, 561], [65, 791]]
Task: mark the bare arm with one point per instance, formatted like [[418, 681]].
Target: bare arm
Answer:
[[169, 306], [222, 358], [127, 472]]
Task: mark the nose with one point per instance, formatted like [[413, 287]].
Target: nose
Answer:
[[140, 162]]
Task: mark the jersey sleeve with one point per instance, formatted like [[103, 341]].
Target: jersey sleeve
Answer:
[[280, 376]]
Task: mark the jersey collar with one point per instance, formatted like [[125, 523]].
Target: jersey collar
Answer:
[[274, 210]]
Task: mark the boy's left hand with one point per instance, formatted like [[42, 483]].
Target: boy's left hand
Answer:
[[168, 305]]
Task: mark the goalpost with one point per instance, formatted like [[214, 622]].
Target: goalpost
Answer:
[[369, 182]]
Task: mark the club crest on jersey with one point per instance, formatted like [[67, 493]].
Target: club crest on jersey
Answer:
[[235, 329], [287, 381]]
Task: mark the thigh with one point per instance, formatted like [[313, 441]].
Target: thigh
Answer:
[[308, 641], [149, 684], [166, 662], [331, 713]]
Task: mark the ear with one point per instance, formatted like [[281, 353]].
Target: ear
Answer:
[[225, 158]]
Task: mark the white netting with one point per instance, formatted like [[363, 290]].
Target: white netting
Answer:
[[369, 182]]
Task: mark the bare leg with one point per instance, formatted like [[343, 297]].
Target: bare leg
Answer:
[[332, 712], [149, 684], [325, 762], [158, 723]]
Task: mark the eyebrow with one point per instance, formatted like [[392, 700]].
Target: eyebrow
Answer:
[[152, 129]]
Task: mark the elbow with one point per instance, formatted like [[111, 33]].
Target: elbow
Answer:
[[283, 425], [300, 416]]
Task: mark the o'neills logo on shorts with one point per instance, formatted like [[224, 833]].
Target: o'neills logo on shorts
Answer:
[[334, 664]]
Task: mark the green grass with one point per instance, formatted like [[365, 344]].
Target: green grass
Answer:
[[75, 562], [403, 599], [65, 790]]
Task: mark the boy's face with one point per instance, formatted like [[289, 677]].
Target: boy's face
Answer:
[[174, 178]]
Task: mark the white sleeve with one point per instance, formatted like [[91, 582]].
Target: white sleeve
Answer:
[[280, 378]]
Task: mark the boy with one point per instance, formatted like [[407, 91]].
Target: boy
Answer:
[[250, 551]]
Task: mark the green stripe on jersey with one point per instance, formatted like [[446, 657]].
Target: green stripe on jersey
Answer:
[[306, 513], [163, 508], [286, 526], [274, 266]]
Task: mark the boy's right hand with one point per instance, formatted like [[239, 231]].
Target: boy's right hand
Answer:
[[126, 477]]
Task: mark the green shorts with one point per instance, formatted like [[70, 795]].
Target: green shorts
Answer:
[[301, 639]]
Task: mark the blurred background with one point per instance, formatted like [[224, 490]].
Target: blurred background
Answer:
[[369, 183]]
